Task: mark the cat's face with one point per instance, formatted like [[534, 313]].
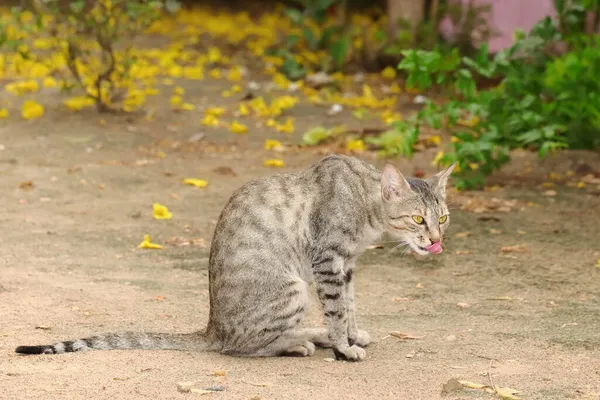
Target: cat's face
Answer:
[[416, 211]]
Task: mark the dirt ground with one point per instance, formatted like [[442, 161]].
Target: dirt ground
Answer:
[[69, 267]]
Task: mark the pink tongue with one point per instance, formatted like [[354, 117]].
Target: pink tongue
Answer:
[[435, 248]]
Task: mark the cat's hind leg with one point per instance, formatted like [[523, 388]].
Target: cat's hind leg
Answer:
[[292, 343]]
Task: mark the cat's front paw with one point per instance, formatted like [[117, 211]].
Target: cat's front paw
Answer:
[[350, 353], [361, 338]]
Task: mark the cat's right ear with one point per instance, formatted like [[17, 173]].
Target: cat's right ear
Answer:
[[393, 184]]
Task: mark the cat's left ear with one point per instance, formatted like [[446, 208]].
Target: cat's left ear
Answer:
[[440, 180]]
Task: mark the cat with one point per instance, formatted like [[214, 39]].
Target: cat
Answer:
[[280, 233]]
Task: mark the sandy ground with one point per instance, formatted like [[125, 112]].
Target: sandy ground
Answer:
[[69, 267]]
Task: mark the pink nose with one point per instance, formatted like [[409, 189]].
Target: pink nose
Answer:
[[435, 248]]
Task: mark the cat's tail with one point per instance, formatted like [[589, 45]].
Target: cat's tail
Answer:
[[196, 341]]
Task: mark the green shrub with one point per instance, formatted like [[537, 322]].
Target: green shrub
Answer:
[[546, 100]]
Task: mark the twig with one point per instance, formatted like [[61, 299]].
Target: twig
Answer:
[[492, 384]]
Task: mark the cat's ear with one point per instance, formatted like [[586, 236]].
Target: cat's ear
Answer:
[[440, 180], [393, 184]]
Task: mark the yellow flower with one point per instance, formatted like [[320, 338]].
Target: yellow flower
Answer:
[[147, 244], [32, 110], [454, 139], [214, 54], [236, 127], [214, 111], [176, 100], [438, 158], [271, 122], [389, 116], [395, 88], [471, 122], [226, 93], [271, 144], [161, 212], [215, 73], [210, 120], [196, 73], [388, 73], [275, 163], [3, 113], [50, 82], [355, 145], [243, 109], [175, 71], [188, 106], [281, 81], [580, 185], [288, 127], [178, 90], [235, 74], [236, 88], [434, 140], [200, 183], [77, 103]]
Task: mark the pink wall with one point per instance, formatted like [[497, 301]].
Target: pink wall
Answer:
[[508, 15]]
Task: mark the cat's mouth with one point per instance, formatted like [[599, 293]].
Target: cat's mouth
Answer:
[[435, 248]]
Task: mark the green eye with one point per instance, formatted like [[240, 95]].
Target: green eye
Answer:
[[418, 219], [443, 219]]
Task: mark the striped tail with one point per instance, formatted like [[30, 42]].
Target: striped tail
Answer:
[[121, 341]]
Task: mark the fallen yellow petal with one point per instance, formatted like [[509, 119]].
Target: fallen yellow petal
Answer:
[[276, 163], [271, 144], [196, 182], [3, 113], [147, 244], [238, 128], [357, 145], [32, 110], [388, 73], [160, 211]]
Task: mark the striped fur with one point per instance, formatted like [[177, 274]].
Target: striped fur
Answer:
[[277, 235]]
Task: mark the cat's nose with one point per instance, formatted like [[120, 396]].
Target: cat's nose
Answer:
[[434, 240]]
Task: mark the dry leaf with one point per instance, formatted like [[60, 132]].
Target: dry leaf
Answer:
[[159, 298], [179, 241], [519, 248], [224, 171], [506, 393], [405, 336], [506, 298], [27, 185], [463, 234], [259, 384], [43, 327], [220, 372], [473, 385]]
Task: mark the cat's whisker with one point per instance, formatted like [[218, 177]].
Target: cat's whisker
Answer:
[[400, 245]]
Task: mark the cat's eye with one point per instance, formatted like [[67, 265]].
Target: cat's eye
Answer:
[[418, 219], [443, 219]]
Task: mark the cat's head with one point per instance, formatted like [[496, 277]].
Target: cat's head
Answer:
[[415, 209]]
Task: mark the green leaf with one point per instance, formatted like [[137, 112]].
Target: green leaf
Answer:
[[316, 136], [77, 6], [310, 38], [294, 15], [339, 50]]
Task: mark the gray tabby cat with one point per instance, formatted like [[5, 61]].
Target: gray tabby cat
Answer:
[[278, 234]]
